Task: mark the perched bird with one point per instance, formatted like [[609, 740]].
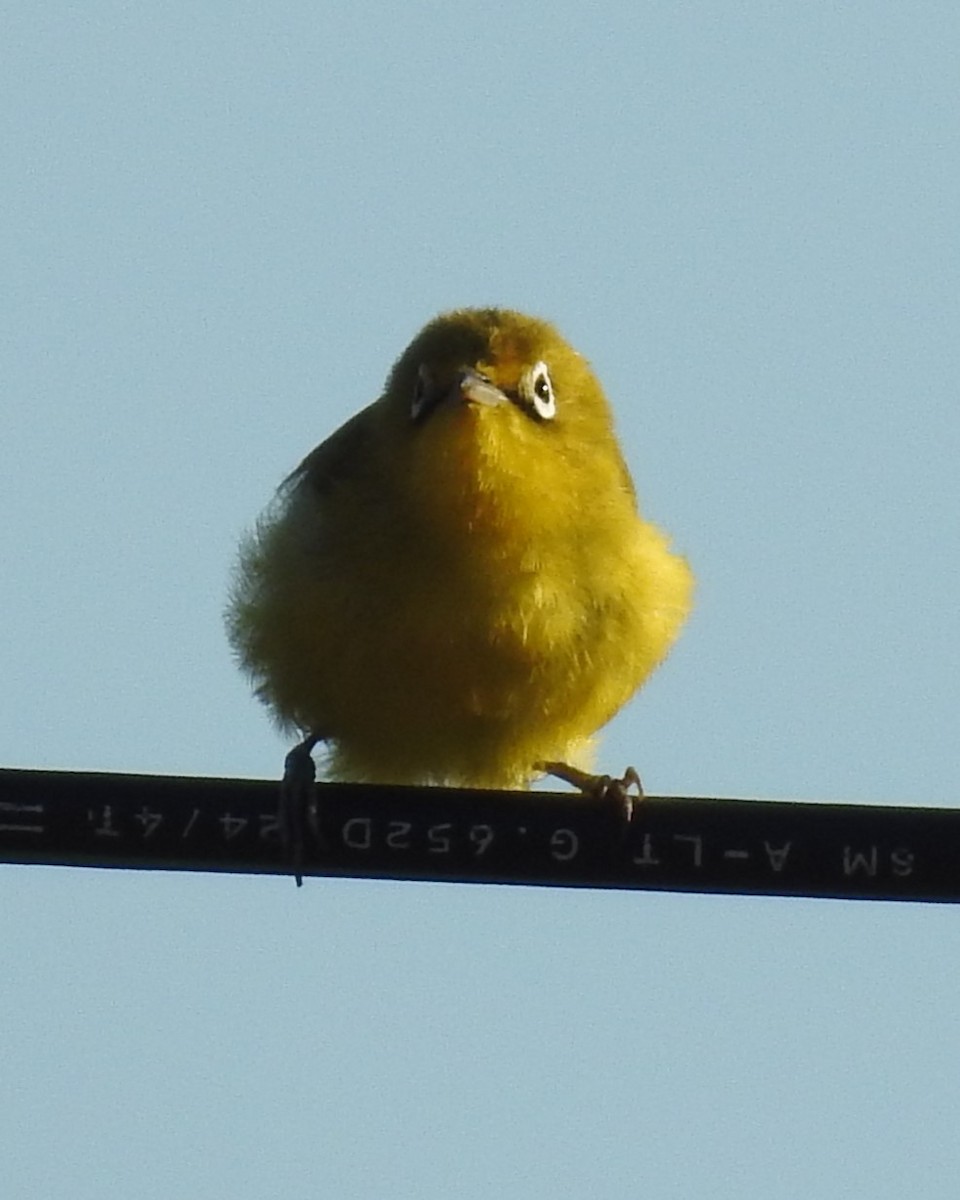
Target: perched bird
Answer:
[[457, 587]]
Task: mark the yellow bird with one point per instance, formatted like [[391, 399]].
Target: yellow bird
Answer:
[[457, 587]]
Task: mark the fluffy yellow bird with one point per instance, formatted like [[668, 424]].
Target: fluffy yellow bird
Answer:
[[457, 586]]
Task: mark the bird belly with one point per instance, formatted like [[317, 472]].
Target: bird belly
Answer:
[[466, 666]]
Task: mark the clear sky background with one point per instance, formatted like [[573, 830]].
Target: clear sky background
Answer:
[[220, 224]]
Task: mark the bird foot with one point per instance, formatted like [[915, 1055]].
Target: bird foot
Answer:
[[603, 788], [298, 802]]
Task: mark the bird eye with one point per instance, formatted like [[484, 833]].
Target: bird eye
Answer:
[[541, 392], [421, 393]]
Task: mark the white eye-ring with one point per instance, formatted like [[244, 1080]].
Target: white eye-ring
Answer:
[[541, 392], [422, 393]]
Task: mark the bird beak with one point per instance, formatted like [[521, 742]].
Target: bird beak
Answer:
[[475, 388]]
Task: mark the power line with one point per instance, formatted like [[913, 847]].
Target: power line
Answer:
[[747, 847]]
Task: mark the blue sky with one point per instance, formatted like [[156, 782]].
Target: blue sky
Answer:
[[221, 224]]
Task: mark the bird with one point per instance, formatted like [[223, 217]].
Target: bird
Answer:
[[457, 587]]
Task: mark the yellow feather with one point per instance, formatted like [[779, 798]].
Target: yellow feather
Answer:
[[458, 596]]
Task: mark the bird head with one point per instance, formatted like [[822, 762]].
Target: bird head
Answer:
[[493, 403]]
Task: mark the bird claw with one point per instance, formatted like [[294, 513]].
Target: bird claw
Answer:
[[603, 788], [617, 791], [298, 802]]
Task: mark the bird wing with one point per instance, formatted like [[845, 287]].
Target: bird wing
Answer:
[[625, 477], [338, 458]]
